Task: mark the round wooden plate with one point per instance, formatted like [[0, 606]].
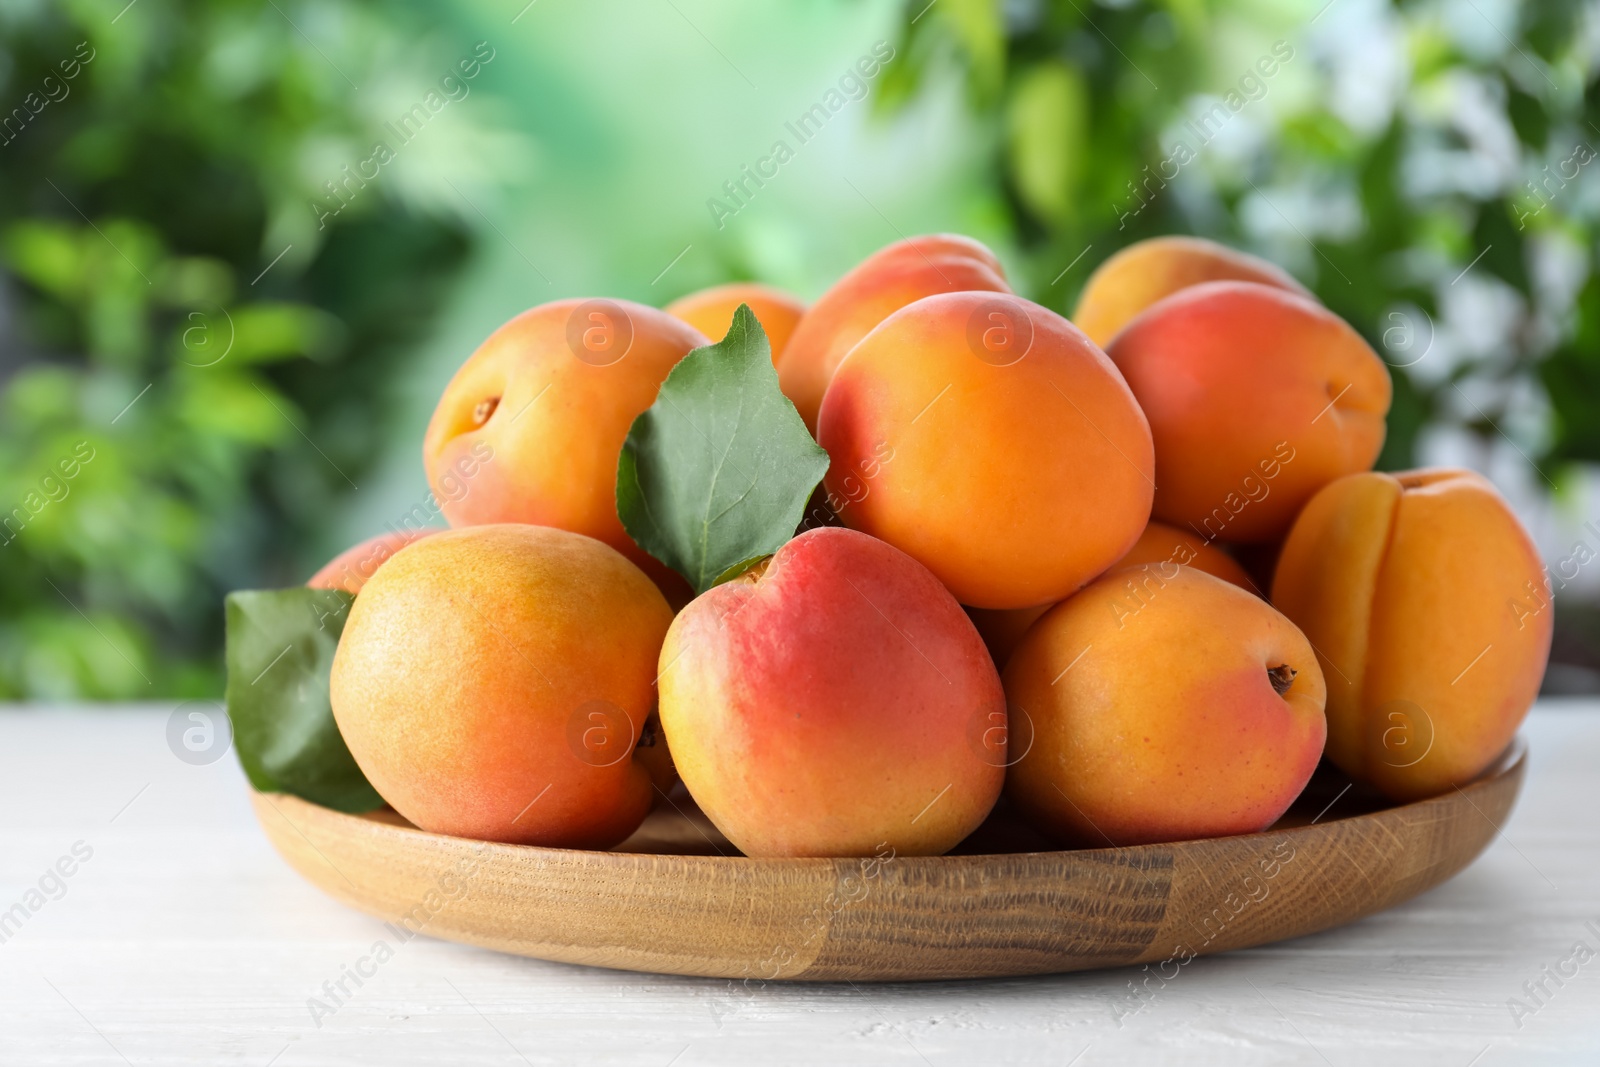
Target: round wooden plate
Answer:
[[666, 901]]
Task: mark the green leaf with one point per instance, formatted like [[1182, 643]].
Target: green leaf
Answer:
[[717, 473], [280, 651]]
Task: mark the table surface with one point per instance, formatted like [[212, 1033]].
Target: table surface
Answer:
[[179, 937]]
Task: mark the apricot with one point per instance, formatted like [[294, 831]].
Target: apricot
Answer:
[[1163, 704], [988, 438], [834, 702], [1257, 398], [351, 569], [1160, 543], [1146, 271], [495, 682], [711, 311], [884, 282], [1429, 610], [1002, 631], [530, 428]]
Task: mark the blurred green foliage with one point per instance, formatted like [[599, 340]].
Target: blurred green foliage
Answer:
[[190, 368], [1395, 145]]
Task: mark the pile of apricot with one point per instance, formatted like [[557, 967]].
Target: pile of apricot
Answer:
[[1132, 571]]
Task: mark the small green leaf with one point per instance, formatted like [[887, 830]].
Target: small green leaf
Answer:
[[717, 473], [280, 651]]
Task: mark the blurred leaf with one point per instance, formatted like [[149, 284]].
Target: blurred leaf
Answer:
[[195, 281], [1318, 135], [1047, 125], [280, 652], [1502, 249], [234, 407], [46, 255], [978, 26], [40, 395], [1528, 117], [259, 333], [1571, 376]]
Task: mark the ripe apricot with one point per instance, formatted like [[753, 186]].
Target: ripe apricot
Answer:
[[350, 569], [1163, 704], [1002, 631], [1160, 543], [530, 428], [1257, 398], [1428, 607], [988, 438], [494, 682], [711, 311], [884, 282], [834, 703], [1146, 271]]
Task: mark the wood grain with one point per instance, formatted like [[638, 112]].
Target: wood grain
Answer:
[[655, 905]]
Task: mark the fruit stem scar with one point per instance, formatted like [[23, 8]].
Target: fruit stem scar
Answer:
[[1332, 402], [484, 409], [1281, 677]]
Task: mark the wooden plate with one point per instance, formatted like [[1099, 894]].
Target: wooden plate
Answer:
[[1003, 906]]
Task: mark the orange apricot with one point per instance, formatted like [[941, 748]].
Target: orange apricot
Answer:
[[711, 311], [1429, 610], [1257, 398], [1161, 543], [530, 428], [1002, 631], [987, 438], [496, 682], [1162, 704], [1146, 271], [884, 282]]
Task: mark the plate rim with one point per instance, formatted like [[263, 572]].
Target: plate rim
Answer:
[[980, 915]]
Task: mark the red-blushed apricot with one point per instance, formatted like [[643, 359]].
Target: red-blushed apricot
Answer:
[[1002, 631], [988, 438], [711, 311], [495, 682], [834, 703], [1164, 704], [1430, 613], [350, 569], [1146, 271], [884, 282], [1257, 398], [530, 428]]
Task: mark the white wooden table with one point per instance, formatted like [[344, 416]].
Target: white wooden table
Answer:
[[183, 939]]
